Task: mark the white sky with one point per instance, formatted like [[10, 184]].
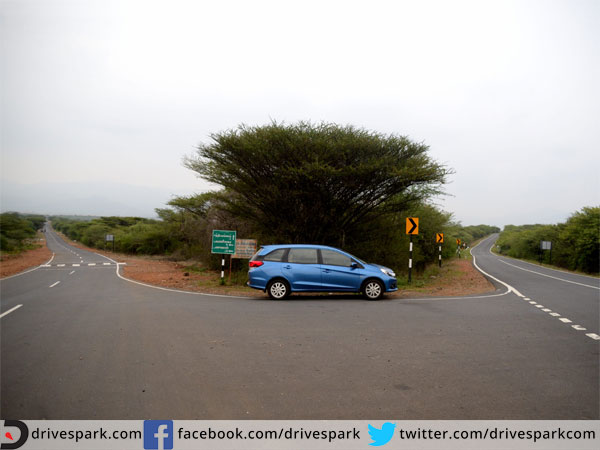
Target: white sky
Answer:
[[117, 92]]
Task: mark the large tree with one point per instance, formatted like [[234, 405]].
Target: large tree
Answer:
[[316, 183]]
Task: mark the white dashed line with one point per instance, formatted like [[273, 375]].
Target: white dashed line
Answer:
[[5, 313], [579, 327], [547, 310], [565, 320], [555, 314], [533, 303], [76, 265], [60, 265], [106, 264], [91, 264], [593, 336], [72, 273], [539, 306], [54, 284]]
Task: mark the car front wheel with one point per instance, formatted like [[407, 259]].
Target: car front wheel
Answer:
[[373, 290], [278, 289]]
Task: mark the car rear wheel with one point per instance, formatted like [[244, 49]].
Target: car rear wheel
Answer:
[[373, 289], [278, 289]]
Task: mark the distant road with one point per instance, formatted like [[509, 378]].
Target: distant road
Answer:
[[86, 344]]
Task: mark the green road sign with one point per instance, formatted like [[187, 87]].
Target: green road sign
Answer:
[[223, 241]]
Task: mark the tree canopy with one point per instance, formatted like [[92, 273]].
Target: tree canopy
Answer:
[[317, 183]]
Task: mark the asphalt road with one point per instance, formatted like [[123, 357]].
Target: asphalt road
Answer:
[[87, 344]]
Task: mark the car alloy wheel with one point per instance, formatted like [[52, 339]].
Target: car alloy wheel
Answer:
[[373, 290], [278, 289]]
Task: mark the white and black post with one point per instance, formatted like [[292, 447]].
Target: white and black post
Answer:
[[223, 270], [440, 257], [410, 250]]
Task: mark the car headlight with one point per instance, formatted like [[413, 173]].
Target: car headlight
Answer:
[[388, 272]]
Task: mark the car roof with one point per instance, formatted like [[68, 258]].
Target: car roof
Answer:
[[274, 246]]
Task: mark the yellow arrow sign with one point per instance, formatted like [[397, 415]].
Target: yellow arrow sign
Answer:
[[439, 238], [458, 241], [412, 225]]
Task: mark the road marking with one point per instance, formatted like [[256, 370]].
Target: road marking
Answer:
[[72, 273], [55, 284], [76, 265], [91, 264], [106, 264], [30, 270], [549, 276], [526, 298], [5, 313], [60, 265], [553, 314]]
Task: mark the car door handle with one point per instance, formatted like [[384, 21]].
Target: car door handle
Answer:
[[326, 270], [287, 267]]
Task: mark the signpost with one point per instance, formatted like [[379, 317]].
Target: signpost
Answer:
[[223, 242], [412, 228], [545, 245], [244, 248], [439, 239], [458, 247], [110, 238]]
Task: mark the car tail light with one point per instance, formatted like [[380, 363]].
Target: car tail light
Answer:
[[256, 263]]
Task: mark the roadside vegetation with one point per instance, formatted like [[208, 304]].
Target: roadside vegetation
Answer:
[[303, 183], [575, 243], [18, 231]]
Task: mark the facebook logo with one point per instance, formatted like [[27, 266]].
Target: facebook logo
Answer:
[[158, 434]]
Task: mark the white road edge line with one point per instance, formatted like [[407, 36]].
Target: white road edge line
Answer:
[[5, 313], [162, 288], [54, 284], [30, 270], [549, 276]]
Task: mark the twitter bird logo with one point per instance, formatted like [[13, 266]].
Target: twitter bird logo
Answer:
[[383, 436]]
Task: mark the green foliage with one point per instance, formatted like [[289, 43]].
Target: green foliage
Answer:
[[16, 229], [316, 183], [131, 234], [575, 244]]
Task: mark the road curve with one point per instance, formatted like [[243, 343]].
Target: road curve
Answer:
[[86, 344]]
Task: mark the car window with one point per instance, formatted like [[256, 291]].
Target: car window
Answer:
[[275, 255], [333, 258], [303, 256]]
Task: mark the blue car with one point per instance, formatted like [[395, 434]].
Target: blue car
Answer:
[[280, 270]]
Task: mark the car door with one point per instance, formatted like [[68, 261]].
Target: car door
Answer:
[[338, 273], [303, 269]]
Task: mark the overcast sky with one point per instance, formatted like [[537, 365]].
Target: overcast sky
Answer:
[[102, 98]]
